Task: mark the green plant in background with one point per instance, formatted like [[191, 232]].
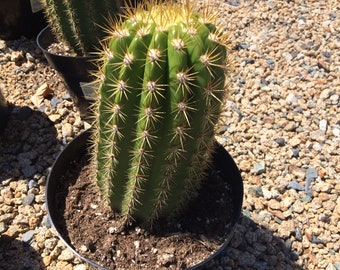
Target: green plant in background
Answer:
[[163, 83], [81, 24]]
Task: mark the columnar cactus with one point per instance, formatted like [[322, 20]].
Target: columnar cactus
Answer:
[[163, 83], [81, 24]]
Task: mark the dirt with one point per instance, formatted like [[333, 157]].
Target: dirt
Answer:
[[178, 243]]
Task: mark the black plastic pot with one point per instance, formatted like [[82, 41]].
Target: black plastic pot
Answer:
[[4, 112], [20, 18], [222, 162], [76, 71]]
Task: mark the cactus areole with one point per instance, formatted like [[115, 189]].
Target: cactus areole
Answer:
[[163, 83]]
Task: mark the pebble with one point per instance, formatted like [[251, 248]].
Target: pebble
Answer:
[[295, 185], [280, 141], [28, 199], [67, 130], [311, 173], [337, 265], [27, 236], [66, 255], [259, 167], [323, 125]]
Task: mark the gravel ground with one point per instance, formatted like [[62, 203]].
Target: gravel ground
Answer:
[[282, 128]]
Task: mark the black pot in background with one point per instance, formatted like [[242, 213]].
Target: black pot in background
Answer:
[[21, 18], [4, 112], [222, 162], [77, 72]]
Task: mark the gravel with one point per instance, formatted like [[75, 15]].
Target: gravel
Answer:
[[282, 126]]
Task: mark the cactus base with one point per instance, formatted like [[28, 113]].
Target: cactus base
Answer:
[[185, 230]]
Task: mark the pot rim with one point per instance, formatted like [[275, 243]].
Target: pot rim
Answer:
[[46, 37]]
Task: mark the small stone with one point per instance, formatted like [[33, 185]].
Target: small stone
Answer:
[[32, 184], [233, 3], [311, 173], [280, 141], [47, 260], [54, 117], [259, 167], [324, 218], [288, 201], [80, 267], [298, 234], [323, 125], [291, 99], [136, 244], [83, 248], [255, 191], [28, 199], [291, 126], [325, 94], [55, 101], [64, 265], [336, 131], [66, 255], [27, 236], [67, 130], [307, 198], [274, 204], [295, 152], [267, 194], [298, 207], [295, 185], [317, 147], [244, 165], [295, 141], [51, 243], [337, 265], [317, 240]]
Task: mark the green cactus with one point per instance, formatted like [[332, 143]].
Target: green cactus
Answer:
[[163, 83], [81, 24]]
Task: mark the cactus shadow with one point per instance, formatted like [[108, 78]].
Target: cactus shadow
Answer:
[[256, 247], [28, 144], [15, 254]]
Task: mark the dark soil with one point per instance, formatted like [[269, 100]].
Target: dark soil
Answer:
[[93, 229]]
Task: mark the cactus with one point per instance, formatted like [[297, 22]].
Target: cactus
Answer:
[[162, 87], [81, 24]]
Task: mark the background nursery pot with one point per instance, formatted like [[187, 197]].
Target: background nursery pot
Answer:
[[76, 71], [21, 17], [223, 166]]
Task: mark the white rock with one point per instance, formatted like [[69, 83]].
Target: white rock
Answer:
[[323, 125]]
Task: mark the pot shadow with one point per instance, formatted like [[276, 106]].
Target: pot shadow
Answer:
[[18, 255], [254, 247], [28, 144]]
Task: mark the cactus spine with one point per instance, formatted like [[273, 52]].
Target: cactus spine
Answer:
[[80, 23], [163, 84]]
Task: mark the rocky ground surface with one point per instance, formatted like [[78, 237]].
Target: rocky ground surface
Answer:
[[282, 128]]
